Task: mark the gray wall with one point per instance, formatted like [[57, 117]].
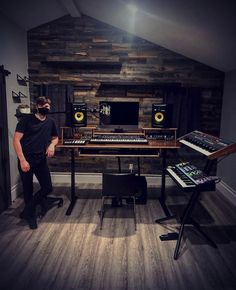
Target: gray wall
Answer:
[[227, 167], [13, 55]]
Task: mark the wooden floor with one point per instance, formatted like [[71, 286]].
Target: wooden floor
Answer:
[[71, 252]]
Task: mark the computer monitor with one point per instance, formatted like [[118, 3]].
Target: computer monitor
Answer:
[[119, 115]]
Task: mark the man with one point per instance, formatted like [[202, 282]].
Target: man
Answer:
[[34, 140]]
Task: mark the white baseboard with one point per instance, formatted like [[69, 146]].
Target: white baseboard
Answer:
[[64, 179], [153, 180], [96, 178], [227, 192], [15, 191]]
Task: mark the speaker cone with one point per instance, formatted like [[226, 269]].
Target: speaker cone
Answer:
[[79, 116], [159, 117]]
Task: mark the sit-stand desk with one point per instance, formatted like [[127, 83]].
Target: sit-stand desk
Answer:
[[154, 149]]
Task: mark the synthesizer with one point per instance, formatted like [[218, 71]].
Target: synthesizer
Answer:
[[74, 142], [118, 138], [189, 177], [210, 146]]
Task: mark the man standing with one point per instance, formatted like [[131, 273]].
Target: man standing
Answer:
[[34, 140]]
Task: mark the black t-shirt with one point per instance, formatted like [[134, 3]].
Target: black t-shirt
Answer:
[[37, 134]]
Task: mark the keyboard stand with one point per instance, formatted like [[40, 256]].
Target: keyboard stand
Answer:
[[186, 217], [162, 198], [73, 196]]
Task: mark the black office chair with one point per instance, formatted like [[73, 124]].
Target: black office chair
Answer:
[[118, 185]]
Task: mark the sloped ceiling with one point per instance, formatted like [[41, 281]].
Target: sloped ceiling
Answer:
[[202, 30]]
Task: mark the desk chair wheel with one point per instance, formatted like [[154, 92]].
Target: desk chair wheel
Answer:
[[60, 202], [48, 203]]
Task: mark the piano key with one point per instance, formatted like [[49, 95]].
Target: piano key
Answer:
[[195, 147], [178, 179]]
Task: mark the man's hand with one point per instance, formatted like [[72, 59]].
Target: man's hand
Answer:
[[51, 150], [25, 167]]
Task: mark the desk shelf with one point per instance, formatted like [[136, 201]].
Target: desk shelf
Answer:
[[152, 134], [119, 152], [166, 134], [75, 132]]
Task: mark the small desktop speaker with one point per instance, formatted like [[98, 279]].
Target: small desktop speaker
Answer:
[[78, 113], [161, 115]]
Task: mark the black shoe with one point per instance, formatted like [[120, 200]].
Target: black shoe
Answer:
[[32, 222], [29, 215]]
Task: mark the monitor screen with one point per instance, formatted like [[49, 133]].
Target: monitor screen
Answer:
[[119, 115]]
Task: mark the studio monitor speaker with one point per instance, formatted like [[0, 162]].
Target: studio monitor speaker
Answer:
[[161, 115], [78, 113]]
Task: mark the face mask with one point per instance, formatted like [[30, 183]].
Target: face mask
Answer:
[[43, 111]]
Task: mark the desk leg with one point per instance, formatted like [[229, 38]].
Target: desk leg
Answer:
[[119, 164], [162, 198], [138, 166], [73, 197]]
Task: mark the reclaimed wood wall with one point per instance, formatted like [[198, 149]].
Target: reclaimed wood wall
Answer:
[[101, 62]]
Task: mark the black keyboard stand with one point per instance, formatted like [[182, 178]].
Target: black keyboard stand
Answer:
[[186, 219]]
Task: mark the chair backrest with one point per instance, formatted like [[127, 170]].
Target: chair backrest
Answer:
[[118, 184]]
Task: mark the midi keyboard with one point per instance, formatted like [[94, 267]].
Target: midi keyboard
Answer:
[[188, 177], [118, 139], [74, 142]]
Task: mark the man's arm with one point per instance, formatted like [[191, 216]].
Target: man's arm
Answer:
[[51, 148], [18, 149]]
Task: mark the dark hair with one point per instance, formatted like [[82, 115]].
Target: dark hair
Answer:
[[42, 101]]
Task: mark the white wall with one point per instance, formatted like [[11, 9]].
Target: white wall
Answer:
[[227, 167], [13, 55]]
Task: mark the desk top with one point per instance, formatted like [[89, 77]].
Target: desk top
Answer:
[[151, 145]]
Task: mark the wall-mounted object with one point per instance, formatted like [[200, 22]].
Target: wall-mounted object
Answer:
[[22, 81], [6, 72], [21, 95], [17, 97], [22, 110]]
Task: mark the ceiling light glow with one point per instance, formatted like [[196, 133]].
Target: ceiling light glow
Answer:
[[132, 8]]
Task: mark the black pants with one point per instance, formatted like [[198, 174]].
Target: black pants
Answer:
[[39, 168]]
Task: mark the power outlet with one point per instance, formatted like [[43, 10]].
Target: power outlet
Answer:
[[131, 167]]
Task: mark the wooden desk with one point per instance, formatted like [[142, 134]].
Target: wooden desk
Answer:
[[154, 149]]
